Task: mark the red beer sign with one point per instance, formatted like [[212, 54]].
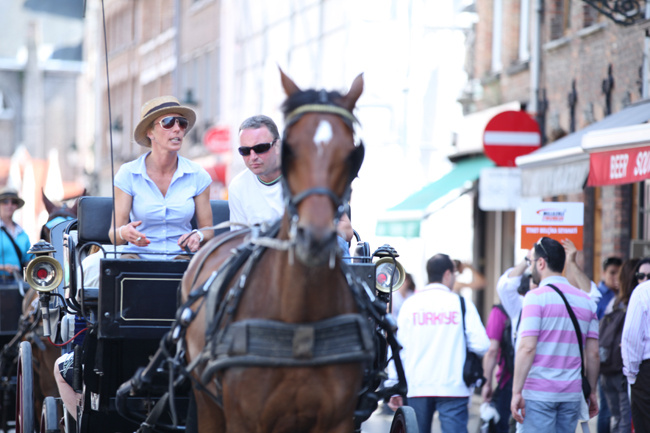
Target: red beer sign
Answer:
[[618, 167]]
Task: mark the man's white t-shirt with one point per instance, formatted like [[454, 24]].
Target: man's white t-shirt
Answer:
[[253, 202]]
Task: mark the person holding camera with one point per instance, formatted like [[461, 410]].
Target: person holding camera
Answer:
[[437, 341]]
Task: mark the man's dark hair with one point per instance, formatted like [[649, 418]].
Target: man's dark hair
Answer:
[[524, 284], [552, 251], [437, 266], [256, 122], [612, 261]]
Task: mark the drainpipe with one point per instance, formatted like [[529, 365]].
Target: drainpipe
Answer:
[[535, 57]]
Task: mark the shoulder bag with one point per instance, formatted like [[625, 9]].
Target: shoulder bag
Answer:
[[586, 388], [473, 368]]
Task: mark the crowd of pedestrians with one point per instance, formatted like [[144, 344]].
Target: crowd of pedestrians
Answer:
[[558, 349]]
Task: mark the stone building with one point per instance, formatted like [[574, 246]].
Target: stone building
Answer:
[[579, 72]]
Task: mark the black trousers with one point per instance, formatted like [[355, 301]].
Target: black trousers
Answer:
[[641, 399]]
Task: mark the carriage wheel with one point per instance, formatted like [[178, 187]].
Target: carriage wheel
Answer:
[[404, 421], [25, 390], [50, 416]]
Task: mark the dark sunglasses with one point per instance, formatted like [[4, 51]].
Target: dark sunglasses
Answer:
[[169, 121], [539, 242], [258, 148], [642, 276], [9, 201]]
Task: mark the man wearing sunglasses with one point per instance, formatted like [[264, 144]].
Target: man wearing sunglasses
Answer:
[[255, 195], [547, 384]]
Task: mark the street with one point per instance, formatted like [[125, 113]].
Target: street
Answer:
[[380, 422]]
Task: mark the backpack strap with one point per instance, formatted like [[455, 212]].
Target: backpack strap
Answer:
[[575, 325], [462, 312]]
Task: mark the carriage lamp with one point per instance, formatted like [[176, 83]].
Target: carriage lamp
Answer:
[[44, 274], [389, 273]]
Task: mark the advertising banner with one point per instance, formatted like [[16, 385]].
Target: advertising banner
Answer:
[[618, 167], [554, 220]]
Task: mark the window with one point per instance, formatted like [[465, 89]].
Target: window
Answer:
[[497, 26], [560, 17], [524, 29], [590, 15]]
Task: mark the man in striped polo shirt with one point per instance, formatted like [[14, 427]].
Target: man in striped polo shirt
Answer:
[[547, 385]]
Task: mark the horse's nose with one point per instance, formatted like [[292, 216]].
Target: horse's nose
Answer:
[[315, 246]]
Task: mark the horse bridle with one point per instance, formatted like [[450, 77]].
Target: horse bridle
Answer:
[[292, 201]]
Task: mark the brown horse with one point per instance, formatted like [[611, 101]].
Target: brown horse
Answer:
[[44, 354], [288, 286]]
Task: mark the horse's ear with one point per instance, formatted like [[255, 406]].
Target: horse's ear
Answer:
[[49, 206], [287, 83], [73, 209], [348, 101]]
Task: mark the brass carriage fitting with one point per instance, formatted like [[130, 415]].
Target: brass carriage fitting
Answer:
[[43, 273], [389, 271]]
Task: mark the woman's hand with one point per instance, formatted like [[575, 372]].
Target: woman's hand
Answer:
[[190, 241], [130, 234]]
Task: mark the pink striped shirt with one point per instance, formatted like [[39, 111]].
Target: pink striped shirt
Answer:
[[555, 373]]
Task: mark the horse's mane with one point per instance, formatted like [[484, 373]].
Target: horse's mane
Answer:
[[310, 96]]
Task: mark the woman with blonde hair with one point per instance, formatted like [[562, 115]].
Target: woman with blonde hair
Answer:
[[157, 194]]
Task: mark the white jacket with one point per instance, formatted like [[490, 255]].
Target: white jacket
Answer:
[[431, 331]]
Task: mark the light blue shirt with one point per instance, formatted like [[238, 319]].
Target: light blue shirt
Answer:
[[164, 218], [8, 255]]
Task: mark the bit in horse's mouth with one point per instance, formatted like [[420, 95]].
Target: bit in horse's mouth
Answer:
[[313, 251]]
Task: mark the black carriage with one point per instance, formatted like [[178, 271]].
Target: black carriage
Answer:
[[128, 318], [12, 291]]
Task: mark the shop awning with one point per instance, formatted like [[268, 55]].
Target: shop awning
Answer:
[[562, 167], [404, 218], [618, 155]]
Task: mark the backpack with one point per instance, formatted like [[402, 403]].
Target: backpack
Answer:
[[609, 342], [506, 346]]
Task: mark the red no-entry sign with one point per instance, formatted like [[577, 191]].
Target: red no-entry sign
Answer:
[[217, 139], [510, 134]]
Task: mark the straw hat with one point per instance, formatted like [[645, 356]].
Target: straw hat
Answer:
[[9, 193], [156, 108]]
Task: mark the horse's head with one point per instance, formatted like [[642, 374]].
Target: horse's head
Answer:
[[57, 214], [320, 158]]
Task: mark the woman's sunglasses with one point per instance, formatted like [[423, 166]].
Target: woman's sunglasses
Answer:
[[258, 148], [9, 201], [169, 121], [642, 276]]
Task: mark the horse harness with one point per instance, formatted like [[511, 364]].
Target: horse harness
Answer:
[[271, 343]]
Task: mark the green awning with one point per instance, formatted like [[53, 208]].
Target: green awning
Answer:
[[404, 218]]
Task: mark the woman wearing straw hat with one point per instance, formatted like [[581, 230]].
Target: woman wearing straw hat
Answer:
[[157, 194], [14, 242], [156, 197]]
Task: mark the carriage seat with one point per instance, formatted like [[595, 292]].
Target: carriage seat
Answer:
[[95, 215]]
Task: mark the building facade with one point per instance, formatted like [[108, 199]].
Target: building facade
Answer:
[[573, 68]]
